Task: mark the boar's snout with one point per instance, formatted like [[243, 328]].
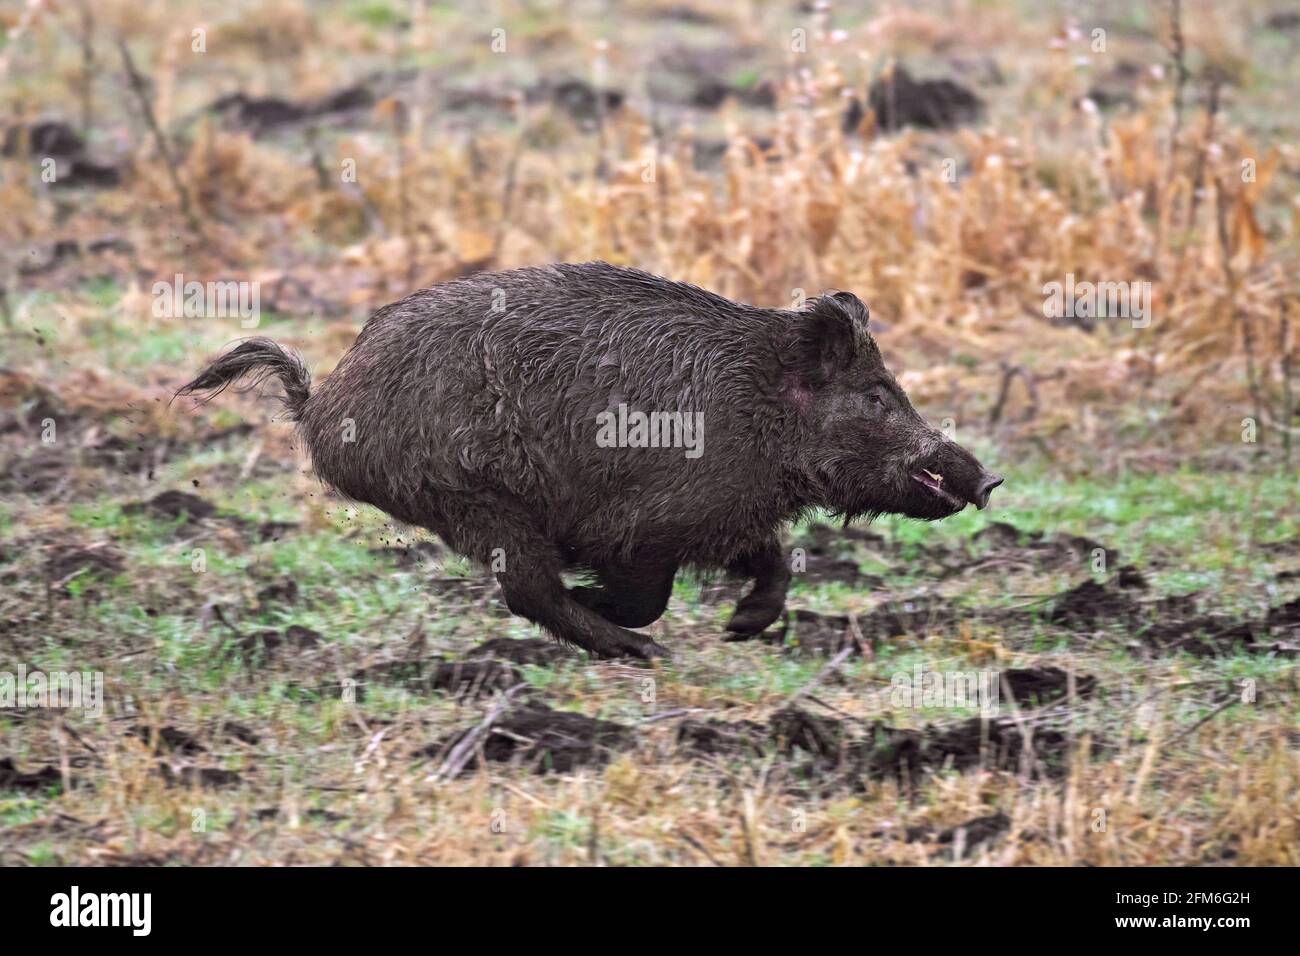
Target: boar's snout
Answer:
[[985, 488], [949, 477]]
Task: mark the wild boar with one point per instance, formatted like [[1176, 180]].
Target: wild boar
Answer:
[[600, 419]]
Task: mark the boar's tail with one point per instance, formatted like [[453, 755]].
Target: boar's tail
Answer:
[[260, 358]]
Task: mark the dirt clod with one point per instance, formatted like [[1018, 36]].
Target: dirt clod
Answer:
[[1043, 684], [899, 100], [970, 835], [294, 638], [284, 591], [13, 779], [68, 561], [168, 740], [207, 778], [542, 740], [527, 651]]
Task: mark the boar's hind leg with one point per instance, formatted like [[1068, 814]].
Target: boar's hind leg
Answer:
[[501, 530], [631, 595], [760, 608], [533, 589]]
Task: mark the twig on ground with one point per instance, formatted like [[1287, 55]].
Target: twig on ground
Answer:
[[465, 747], [831, 666], [146, 108]]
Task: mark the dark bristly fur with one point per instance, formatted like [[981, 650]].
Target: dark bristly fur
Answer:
[[472, 409]]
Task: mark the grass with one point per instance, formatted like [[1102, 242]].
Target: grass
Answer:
[[317, 751]]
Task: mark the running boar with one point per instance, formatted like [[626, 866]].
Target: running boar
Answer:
[[601, 419]]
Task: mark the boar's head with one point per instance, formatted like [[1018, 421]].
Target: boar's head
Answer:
[[860, 446]]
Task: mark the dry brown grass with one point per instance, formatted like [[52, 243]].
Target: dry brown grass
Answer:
[[347, 792], [952, 269]]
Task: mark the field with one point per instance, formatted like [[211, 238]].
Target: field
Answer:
[[1099, 669]]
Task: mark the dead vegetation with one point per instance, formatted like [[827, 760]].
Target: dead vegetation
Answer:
[[950, 237]]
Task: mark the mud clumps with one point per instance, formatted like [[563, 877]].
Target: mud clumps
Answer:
[[167, 740], [1285, 615], [284, 591], [1008, 546], [995, 744], [582, 102], [823, 551], [458, 679], [268, 643], [40, 473], [839, 571], [999, 534], [170, 740], [721, 738], [1216, 635], [472, 678], [262, 115], [522, 652], [831, 554], [822, 539], [817, 634], [59, 141], [898, 100], [484, 670], [11, 778], [1041, 749], [828, 634], [265, 814], [43, 138], [177, 747], [968, 836], [230, 730], [1172, 624], [273, 530], [1041, 685], [205, 778], [1091, 603], [88, 439], [189, 510], [787, 731], [820, 737], [703, 79], [541, 740], [68, 561], [65, 251]]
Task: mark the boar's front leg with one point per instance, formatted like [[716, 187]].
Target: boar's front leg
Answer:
[[760, 608], [632, 594]]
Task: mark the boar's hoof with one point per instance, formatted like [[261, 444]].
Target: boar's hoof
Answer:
[[754, 615], [642, 648], [653, 651]]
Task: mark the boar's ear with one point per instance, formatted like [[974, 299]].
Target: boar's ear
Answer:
[[826, 337]]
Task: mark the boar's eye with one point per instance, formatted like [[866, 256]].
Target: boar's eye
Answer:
[[876, 398]]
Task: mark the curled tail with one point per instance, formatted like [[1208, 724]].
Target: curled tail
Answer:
[[261, 358]]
